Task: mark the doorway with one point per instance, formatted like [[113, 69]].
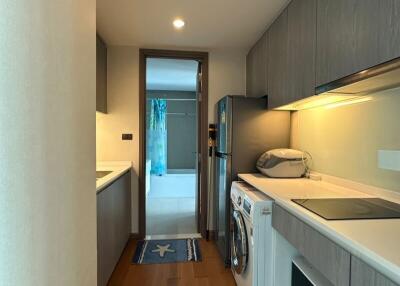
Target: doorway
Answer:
[[173, 143]]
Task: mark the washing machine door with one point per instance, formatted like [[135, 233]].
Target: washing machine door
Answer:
[[239, 246]]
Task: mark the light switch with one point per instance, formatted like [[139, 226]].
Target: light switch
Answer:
[[127, 136], [389, 159]]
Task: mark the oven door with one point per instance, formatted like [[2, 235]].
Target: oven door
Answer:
[[239, 243], [304, 274]]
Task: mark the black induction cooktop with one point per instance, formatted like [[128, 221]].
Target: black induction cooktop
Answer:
[[351, 208]]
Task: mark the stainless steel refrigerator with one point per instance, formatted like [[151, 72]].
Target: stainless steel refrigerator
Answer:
[[245, 129]]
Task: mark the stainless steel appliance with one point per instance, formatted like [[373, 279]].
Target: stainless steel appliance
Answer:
[[351, 208], [245, 129]]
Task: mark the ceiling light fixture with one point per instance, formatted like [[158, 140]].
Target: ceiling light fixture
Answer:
[[178, 23]]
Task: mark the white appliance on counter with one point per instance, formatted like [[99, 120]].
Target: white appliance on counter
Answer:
[[283, 163], [252, 239]]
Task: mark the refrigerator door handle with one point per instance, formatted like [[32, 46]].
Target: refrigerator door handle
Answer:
[[221, 155]]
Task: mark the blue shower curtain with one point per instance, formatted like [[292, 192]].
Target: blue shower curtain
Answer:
[[157, 136]]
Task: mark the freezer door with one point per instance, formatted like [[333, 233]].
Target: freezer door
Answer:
[[222, 198], [224, 125]]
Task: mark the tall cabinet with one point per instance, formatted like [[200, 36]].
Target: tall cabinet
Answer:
[[256, 68], [277, 64], [301, 47]]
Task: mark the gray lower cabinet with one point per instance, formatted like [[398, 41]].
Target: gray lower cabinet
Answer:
[[326, 256], [101, 75], [277, 61], [353, 35], [113, 226], [301, 49], [363, 275], [256, 69]]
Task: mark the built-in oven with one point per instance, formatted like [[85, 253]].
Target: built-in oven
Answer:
[[304, 274]]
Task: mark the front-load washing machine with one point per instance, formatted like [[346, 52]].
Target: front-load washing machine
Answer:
[[252, 236]]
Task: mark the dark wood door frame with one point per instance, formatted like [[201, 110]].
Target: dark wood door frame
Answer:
[[203, 190]]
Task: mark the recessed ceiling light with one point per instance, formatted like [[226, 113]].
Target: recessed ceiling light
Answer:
[[178, 23]]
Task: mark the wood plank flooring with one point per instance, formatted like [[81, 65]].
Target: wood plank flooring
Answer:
[[209, 272]]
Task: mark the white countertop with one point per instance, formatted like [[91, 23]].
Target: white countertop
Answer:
[[117, 168], [376, 242]]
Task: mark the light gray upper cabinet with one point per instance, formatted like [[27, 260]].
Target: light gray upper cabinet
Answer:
[[277, 61], [256, 69], [353, 35], [101, 75], [301, 49], [363, 275]]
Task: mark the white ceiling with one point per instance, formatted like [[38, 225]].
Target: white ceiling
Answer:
[[209, 23], [171, 74]]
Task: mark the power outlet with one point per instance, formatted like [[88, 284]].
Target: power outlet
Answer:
[[389, 159]]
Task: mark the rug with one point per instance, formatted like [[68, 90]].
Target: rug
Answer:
[[167, 251]]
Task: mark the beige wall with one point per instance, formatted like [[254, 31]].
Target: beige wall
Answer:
[[122, 116], [47, 153], [344, 140], [226, 76]]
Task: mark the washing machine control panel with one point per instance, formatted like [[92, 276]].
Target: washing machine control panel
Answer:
[[247, 206]]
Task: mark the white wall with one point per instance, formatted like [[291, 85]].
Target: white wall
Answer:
[[226, 76], [47, 154]]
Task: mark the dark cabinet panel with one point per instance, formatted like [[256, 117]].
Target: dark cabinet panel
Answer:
[[314, 42], [277, 61], [389, 33], [256, 69], [364, 275], [101, 75], [301, 49], [347, 37]]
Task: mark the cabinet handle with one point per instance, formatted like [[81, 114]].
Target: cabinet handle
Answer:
[[266, 212]]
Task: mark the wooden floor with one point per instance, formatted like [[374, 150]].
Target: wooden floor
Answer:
[[210, 271]]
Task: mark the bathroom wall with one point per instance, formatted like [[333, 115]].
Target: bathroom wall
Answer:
[[181, 128], [344, 140]]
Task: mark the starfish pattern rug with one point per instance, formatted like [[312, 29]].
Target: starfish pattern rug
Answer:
[[167, 251]]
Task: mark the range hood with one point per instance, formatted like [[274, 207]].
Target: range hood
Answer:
[[352, 88], [380, 77]]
